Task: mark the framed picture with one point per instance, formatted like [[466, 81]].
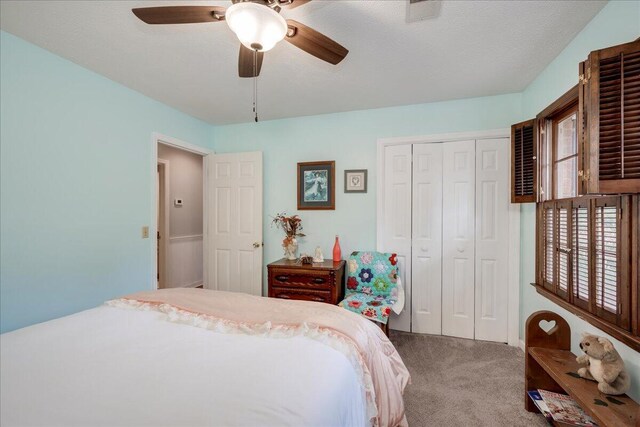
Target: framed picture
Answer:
[[355, 181], [316, 185]]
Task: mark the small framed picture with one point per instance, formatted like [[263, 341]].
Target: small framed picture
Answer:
[[355, 181], [316, 185]]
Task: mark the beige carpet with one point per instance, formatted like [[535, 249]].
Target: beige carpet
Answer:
[[457, 382]]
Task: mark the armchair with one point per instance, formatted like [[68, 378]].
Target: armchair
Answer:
[[374, 287]]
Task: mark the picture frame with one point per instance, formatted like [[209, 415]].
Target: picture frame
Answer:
[[316, 185], [355, 181]]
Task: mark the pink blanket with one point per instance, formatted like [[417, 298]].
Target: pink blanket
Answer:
[[377, 356]]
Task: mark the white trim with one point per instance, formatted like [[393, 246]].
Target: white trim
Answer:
[[193, 285], [521, 345], [158, 138], [176, 143], [446, 137], [167, 212], [513, 298], [186, 238], [513, 315]]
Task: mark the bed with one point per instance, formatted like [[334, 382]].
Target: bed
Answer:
[[190, 357]]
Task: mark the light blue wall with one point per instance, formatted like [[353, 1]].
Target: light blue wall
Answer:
[[75, 185], [618, 22], [76, 189], [349, 139]]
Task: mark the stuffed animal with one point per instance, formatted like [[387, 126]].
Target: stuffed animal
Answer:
[[604, 365]]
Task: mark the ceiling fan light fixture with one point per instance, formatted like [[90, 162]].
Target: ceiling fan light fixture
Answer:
[[257, 26]]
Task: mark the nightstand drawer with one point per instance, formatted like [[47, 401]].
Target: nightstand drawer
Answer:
[[301, 294], [293, 279]]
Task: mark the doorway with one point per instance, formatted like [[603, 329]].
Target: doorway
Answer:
[[180, 218], [228, 244], [162, 222]]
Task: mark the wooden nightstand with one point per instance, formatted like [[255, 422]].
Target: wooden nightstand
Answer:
[[321, 282]]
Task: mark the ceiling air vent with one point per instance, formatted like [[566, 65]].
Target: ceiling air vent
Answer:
[[419, 10]]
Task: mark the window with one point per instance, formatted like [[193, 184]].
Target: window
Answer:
[[565, 159], [588, 194], [585, 256], [558, 129]]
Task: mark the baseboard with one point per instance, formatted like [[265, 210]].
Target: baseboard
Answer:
[[521, 345], [193, 285]]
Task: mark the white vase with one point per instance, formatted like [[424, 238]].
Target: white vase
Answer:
[[291, 249]]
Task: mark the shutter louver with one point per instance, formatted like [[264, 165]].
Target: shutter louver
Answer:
[[580, 252], [523, 158], [563, 250], [606, 258], [518, 181], [610, 119], [612, 109], [527, 161], [631, 116], [549, 249]]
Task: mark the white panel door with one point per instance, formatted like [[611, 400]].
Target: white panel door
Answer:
[[458, 210], [235, 222], [492, 239], [396, 236], [426, 259]]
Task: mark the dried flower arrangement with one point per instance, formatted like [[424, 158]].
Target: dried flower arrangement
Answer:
[[291, 225]]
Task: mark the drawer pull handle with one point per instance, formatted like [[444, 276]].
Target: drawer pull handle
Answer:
[[318, 299], [282, 278], [284, 296], [318, 280]]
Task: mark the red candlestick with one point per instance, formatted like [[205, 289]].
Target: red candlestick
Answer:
[[337, 252]]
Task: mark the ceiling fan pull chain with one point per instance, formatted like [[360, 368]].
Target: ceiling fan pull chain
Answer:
[[255, 84]]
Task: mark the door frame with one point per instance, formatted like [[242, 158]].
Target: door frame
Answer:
[[163, 275], [158, 138], [513, 315]]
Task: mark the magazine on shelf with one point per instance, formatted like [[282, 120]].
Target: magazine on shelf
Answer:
[[565, 410], [542, 406]]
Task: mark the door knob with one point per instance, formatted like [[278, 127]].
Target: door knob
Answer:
[[256, 245], [424, 249]]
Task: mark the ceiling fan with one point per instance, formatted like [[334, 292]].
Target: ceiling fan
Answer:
[[257, 24]]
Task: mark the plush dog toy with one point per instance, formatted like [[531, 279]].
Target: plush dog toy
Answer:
[[604, 365]]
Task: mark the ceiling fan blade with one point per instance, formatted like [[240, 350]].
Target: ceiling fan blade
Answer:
[[245, 62], [179, 14], [295, 3], [315, 43]]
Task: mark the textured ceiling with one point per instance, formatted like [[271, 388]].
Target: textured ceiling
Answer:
[[473, 48]]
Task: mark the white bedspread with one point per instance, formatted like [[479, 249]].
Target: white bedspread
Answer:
[[116, 367]]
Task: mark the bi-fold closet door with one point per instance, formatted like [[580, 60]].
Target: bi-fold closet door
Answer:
[[457, 249]]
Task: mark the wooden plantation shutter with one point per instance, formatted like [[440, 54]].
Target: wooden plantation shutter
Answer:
[[580, 253], [611, 256], [548, 250], [563, 248], [610, 106], [635, 264], [523, 162]]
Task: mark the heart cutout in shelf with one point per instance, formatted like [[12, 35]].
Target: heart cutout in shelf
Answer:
[[547, 326]]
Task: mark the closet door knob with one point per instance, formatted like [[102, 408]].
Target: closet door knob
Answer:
[[460, 249], [424, 249]]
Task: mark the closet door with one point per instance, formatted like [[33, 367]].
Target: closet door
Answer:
[[492, 239], [426, 251], [396, 234], [458, 246]]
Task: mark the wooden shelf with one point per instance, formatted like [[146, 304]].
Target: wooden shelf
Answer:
[[619, 410]]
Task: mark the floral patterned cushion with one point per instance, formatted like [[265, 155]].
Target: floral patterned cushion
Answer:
[[373, 273], [372, 285], [376, 308]]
